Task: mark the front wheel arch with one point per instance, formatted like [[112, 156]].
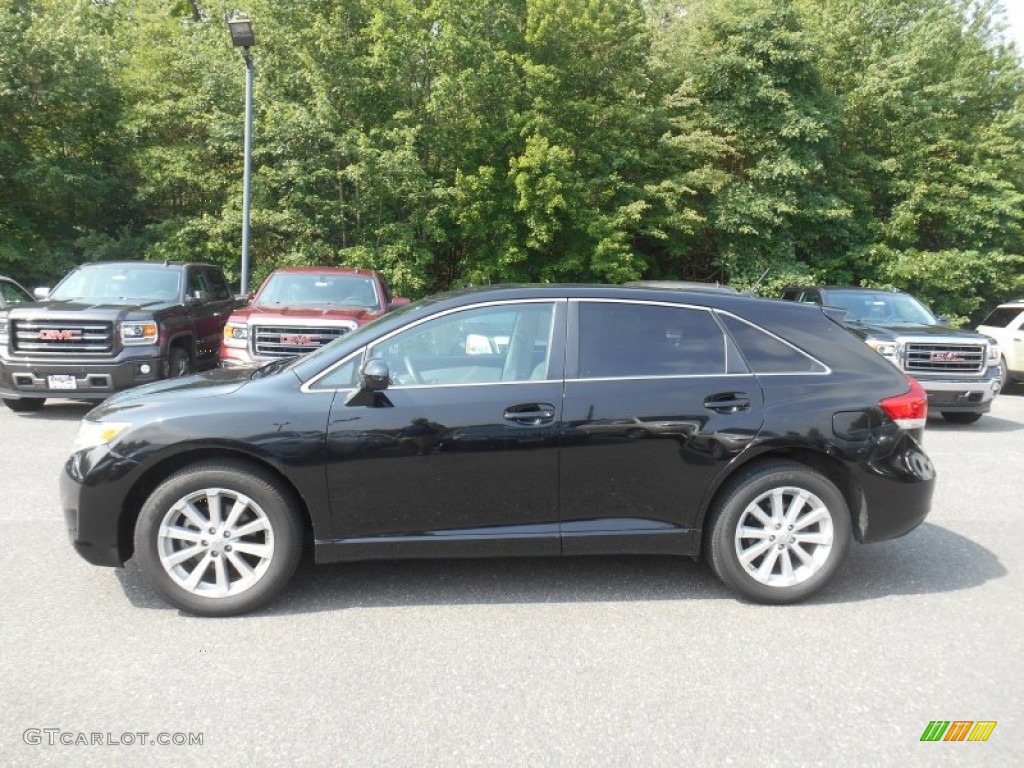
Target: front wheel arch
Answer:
[[159, 472]]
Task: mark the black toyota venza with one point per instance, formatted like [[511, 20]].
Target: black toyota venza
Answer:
[[517, 420]]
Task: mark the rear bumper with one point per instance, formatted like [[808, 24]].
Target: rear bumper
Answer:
[[898, 488]]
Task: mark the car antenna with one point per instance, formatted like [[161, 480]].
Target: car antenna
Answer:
[[757, 283]]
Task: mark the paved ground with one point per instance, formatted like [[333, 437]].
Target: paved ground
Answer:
[[621, 661]]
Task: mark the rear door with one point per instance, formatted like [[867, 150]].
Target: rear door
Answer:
[[657, 402]]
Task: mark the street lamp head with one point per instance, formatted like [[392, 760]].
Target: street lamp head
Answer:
[[241, 32]]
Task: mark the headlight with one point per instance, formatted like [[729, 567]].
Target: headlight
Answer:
[[94, 433], [993, 348], [4, 338], [887, 349], [139, 333], [236, 334]]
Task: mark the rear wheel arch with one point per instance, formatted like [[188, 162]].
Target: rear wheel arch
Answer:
[[832, 469], [156, 475]]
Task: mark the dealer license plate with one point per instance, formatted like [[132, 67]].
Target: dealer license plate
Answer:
[[62, 381]]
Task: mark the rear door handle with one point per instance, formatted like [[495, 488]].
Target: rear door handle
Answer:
[[728, 402], [530, 413]]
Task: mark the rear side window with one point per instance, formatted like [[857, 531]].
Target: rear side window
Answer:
[[619, 340], [1002, 317], [766, 353]]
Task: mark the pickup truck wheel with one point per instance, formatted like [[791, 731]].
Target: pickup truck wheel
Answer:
[[178, 364], [958, 417], [1004, 373], [779, 532], [28, 405], [219, 538]]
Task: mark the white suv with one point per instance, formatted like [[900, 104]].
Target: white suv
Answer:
[[1005, 324]]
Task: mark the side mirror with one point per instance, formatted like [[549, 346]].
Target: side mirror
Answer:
[[374, 377], [398, 301], [41, 293], [943, 319]]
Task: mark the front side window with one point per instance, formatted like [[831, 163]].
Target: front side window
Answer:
[[11, 294], [618, 340], [480, 345], [1002, 317]]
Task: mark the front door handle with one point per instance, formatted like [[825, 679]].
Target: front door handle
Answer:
[[533, 414], [728, 402]]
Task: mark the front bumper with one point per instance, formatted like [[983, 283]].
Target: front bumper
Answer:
[[94, 486], [92, 379], [961, 395]]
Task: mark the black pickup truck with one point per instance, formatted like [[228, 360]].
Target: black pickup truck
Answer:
[[109, 326]]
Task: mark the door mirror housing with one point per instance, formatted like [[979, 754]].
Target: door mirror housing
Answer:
[[41, 294], [374, 377], [398, 301]]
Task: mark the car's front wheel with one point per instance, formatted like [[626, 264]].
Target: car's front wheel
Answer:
[[219, 538], [778, 532], [25, 405]]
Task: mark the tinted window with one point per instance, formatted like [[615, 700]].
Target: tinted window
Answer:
[[218, 285], [765, 353], [197, 282], [623, 340], [508, 342], [342, 377], [11, 293], [1002, 317]]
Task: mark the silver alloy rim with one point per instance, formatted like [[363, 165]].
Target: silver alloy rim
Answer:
[[784, 536], [215, 543]]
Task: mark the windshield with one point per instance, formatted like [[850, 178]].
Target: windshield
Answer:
[[305, 289], [881, 308], [119, 282]]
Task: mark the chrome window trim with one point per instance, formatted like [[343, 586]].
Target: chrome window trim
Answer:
[[307, 388]]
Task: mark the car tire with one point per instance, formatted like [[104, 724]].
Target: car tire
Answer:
[[959, 417], [778, 532], [25, 405], [178, 363], [1004, 373], [219, 558]]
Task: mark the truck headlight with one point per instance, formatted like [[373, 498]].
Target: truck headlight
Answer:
[[993, 349], [890, 350], [93, 433], [139, 333], [236, 335], [5, 339]]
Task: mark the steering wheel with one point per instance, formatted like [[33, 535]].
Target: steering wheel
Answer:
[[413, 373]]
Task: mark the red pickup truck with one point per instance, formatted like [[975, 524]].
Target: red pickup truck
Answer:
[[299, 309]]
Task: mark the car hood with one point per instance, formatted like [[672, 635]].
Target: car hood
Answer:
[[886, 331], [215, 383], [111, 310], [298, 314]]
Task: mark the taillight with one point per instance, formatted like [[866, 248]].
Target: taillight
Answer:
[[909, 410]]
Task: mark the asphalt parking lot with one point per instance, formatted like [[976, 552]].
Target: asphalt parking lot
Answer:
[[615, 661]]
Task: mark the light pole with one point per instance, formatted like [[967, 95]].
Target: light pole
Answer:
[[242, 36]]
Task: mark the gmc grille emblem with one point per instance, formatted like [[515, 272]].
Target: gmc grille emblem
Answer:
[[302, 341], [948, 357], [48, 334]]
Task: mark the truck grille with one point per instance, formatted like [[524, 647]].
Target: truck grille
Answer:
[[57, 337], [945, 358], [284, 341]]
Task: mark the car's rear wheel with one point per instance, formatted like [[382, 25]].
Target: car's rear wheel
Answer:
[[219, 538], [25, 405], [778, 532], [959, 417]]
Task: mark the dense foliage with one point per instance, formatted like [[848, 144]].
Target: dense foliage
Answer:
[[878, 142]]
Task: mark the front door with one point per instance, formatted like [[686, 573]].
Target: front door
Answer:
[[460, 454]]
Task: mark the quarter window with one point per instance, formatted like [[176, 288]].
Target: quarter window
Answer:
[[618, 340], [502, 343], [765, 353]]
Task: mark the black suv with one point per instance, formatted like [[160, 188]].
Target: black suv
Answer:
[[528, 420], [958, 369], [112, 325]]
